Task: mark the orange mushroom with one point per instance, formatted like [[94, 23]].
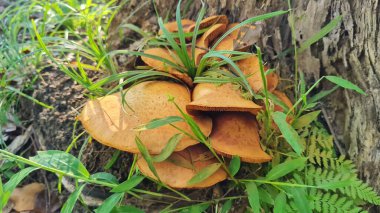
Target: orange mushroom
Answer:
[[209, 21], [210, 97], [177, 174], [250, 66], [162, 66], [210, 35], [173, 26], [236, 133], [107, 122], [282, 96], [198, 54]]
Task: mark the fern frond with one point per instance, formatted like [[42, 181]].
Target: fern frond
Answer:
[[331, 202], [361, 190]]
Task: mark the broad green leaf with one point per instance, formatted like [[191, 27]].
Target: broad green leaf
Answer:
[[62, 161], [306, 119], [265, 197], [144, 152], [344, 83], [168, 149], [155, 123], [226, 206], [104, 176], [322, 33], [13, 182], [126, 209], [128, 184], [300, 199], [253, 196], [285, 168], [110, 203], [280, 203], [290, 135], [204, 173], [68, 206], [198, 208], [234, 165]]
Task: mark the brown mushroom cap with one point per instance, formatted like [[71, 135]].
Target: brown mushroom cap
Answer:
[[173, 27], [251, 66], [198, 54], [175, 175], [211, 97], [107, 122], [236, 133], [209, 21], [161, 66], [210, 35]]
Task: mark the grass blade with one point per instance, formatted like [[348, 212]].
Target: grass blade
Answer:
[[128, 184], [344, 83], [290, 135], [234, 165], [280, 203], [156, 123], [204, 173], [68, 206], [306, 119], [253, 196], [144, 152], [109, 203], [168, 149], [285, 168]]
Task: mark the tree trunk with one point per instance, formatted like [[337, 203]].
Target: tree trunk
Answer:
[[351, 51]]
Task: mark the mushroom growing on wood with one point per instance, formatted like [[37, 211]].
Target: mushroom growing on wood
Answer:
[[181, 167], [108, 122], [211, 97], [237, 133]]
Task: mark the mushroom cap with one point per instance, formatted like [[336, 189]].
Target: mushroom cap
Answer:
[[218, 19], [210, 35], [107, 122], [230, 42], [24, 198], [174, 174], [211, 97], [161, 66], [173, 27], [198, 54], [251, 66], [236, 133], [282, 96]]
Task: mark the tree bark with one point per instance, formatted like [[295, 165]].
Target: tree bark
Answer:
[[351, 50]]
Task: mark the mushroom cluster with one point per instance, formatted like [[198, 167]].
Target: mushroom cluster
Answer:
[[221, 112]]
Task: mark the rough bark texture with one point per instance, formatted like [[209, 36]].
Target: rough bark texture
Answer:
[[350, 51]]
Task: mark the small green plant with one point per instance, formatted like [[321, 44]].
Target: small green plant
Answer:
[[305, 174]]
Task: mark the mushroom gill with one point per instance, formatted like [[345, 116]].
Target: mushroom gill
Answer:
[[108, 122], [176, 173], [237, 133], [211, 97]]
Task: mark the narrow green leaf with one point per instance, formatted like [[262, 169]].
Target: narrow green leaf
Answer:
[[321, 95], [306, 119], [168, 149], [198, 208], [68, 206], [62, 161], [153, 124], [234, 165], [128, 184], [265, 197], [126, 209], [226, 207], [13, 182], [204, 173], [109, 203], [300, 199], [253, 196], [322, 33], [344, 83], [178, 160], [331, 185], [144, 152], [104, 176], [280, 203], [290, 135], [113, 159], [285, 168]]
